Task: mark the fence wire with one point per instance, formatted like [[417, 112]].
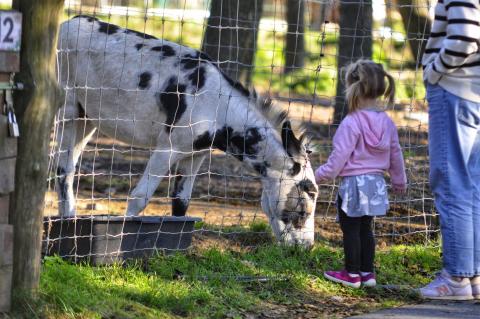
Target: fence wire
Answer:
[[287, 50]]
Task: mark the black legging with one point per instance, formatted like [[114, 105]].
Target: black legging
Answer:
[[358, 241]]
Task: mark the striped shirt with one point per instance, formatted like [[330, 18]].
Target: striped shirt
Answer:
[[452, 54]]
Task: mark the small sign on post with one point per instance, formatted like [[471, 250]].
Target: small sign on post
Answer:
[[10, 30], [10, 40]]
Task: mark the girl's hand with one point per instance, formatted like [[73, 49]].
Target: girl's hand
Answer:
[[399, 189]]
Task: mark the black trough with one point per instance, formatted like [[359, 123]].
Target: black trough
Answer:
[[105, 239]]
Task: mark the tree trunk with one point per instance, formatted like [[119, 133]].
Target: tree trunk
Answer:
[[231, 36], [334, 12], [318, 14], [355, 42], [295, 39], [90, 3], [35, 106], [417, 25]]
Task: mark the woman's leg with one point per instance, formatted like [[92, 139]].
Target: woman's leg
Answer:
[[474, 171], [476, 230], [453, 144]]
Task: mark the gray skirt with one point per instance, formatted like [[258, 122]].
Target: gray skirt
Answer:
[[363, 195]]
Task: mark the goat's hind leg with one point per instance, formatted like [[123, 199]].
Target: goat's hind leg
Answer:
[[72, 136]]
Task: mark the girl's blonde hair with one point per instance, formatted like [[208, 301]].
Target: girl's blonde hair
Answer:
[[366, 79]]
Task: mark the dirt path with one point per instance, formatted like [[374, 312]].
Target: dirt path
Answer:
[[429, 310]]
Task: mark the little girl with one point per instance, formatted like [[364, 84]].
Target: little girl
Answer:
[[364, 147]]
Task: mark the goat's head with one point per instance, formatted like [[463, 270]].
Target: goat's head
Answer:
[[289, 196]]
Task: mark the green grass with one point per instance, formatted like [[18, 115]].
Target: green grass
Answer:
[[202, 283]]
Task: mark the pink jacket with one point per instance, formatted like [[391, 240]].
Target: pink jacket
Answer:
[[365, 142]]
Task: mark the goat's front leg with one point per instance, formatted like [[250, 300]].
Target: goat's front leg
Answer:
[[185, 174], [157, 168]]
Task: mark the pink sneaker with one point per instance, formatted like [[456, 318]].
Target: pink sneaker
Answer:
[[343, 277], [368, 280]]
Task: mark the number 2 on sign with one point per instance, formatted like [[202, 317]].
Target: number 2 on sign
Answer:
[[7, 22], [10, 30]]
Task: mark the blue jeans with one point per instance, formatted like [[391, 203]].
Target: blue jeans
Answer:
[[454, 146]]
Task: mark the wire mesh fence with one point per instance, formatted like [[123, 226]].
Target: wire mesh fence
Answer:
[[169, 83]]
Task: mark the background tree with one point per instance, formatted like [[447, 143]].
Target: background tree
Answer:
[[35, 107], [355, 42], [231, 36], [90, 3], [295, 39], [318, 12], [417, 25]]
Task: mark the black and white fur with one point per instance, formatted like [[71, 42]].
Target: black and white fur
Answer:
[[156, 94]]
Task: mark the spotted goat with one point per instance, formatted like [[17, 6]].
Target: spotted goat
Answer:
[[155, 94]]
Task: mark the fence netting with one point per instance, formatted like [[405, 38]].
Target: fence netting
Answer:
[[289, 51]]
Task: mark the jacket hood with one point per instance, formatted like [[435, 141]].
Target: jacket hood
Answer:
[[374, 126]]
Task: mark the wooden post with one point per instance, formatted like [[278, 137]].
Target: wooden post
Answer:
[[8, 152], [35, 107], [9, 63]]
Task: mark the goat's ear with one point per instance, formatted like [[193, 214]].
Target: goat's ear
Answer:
[[290, 142], [305, 142]]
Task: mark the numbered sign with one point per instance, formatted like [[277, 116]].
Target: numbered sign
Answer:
[[10, 30]]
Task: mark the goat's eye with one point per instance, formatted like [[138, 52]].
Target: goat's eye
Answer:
[[312, 194]]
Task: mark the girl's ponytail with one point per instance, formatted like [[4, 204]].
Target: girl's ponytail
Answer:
[[390, 91], [353, 93], [354, 89]]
